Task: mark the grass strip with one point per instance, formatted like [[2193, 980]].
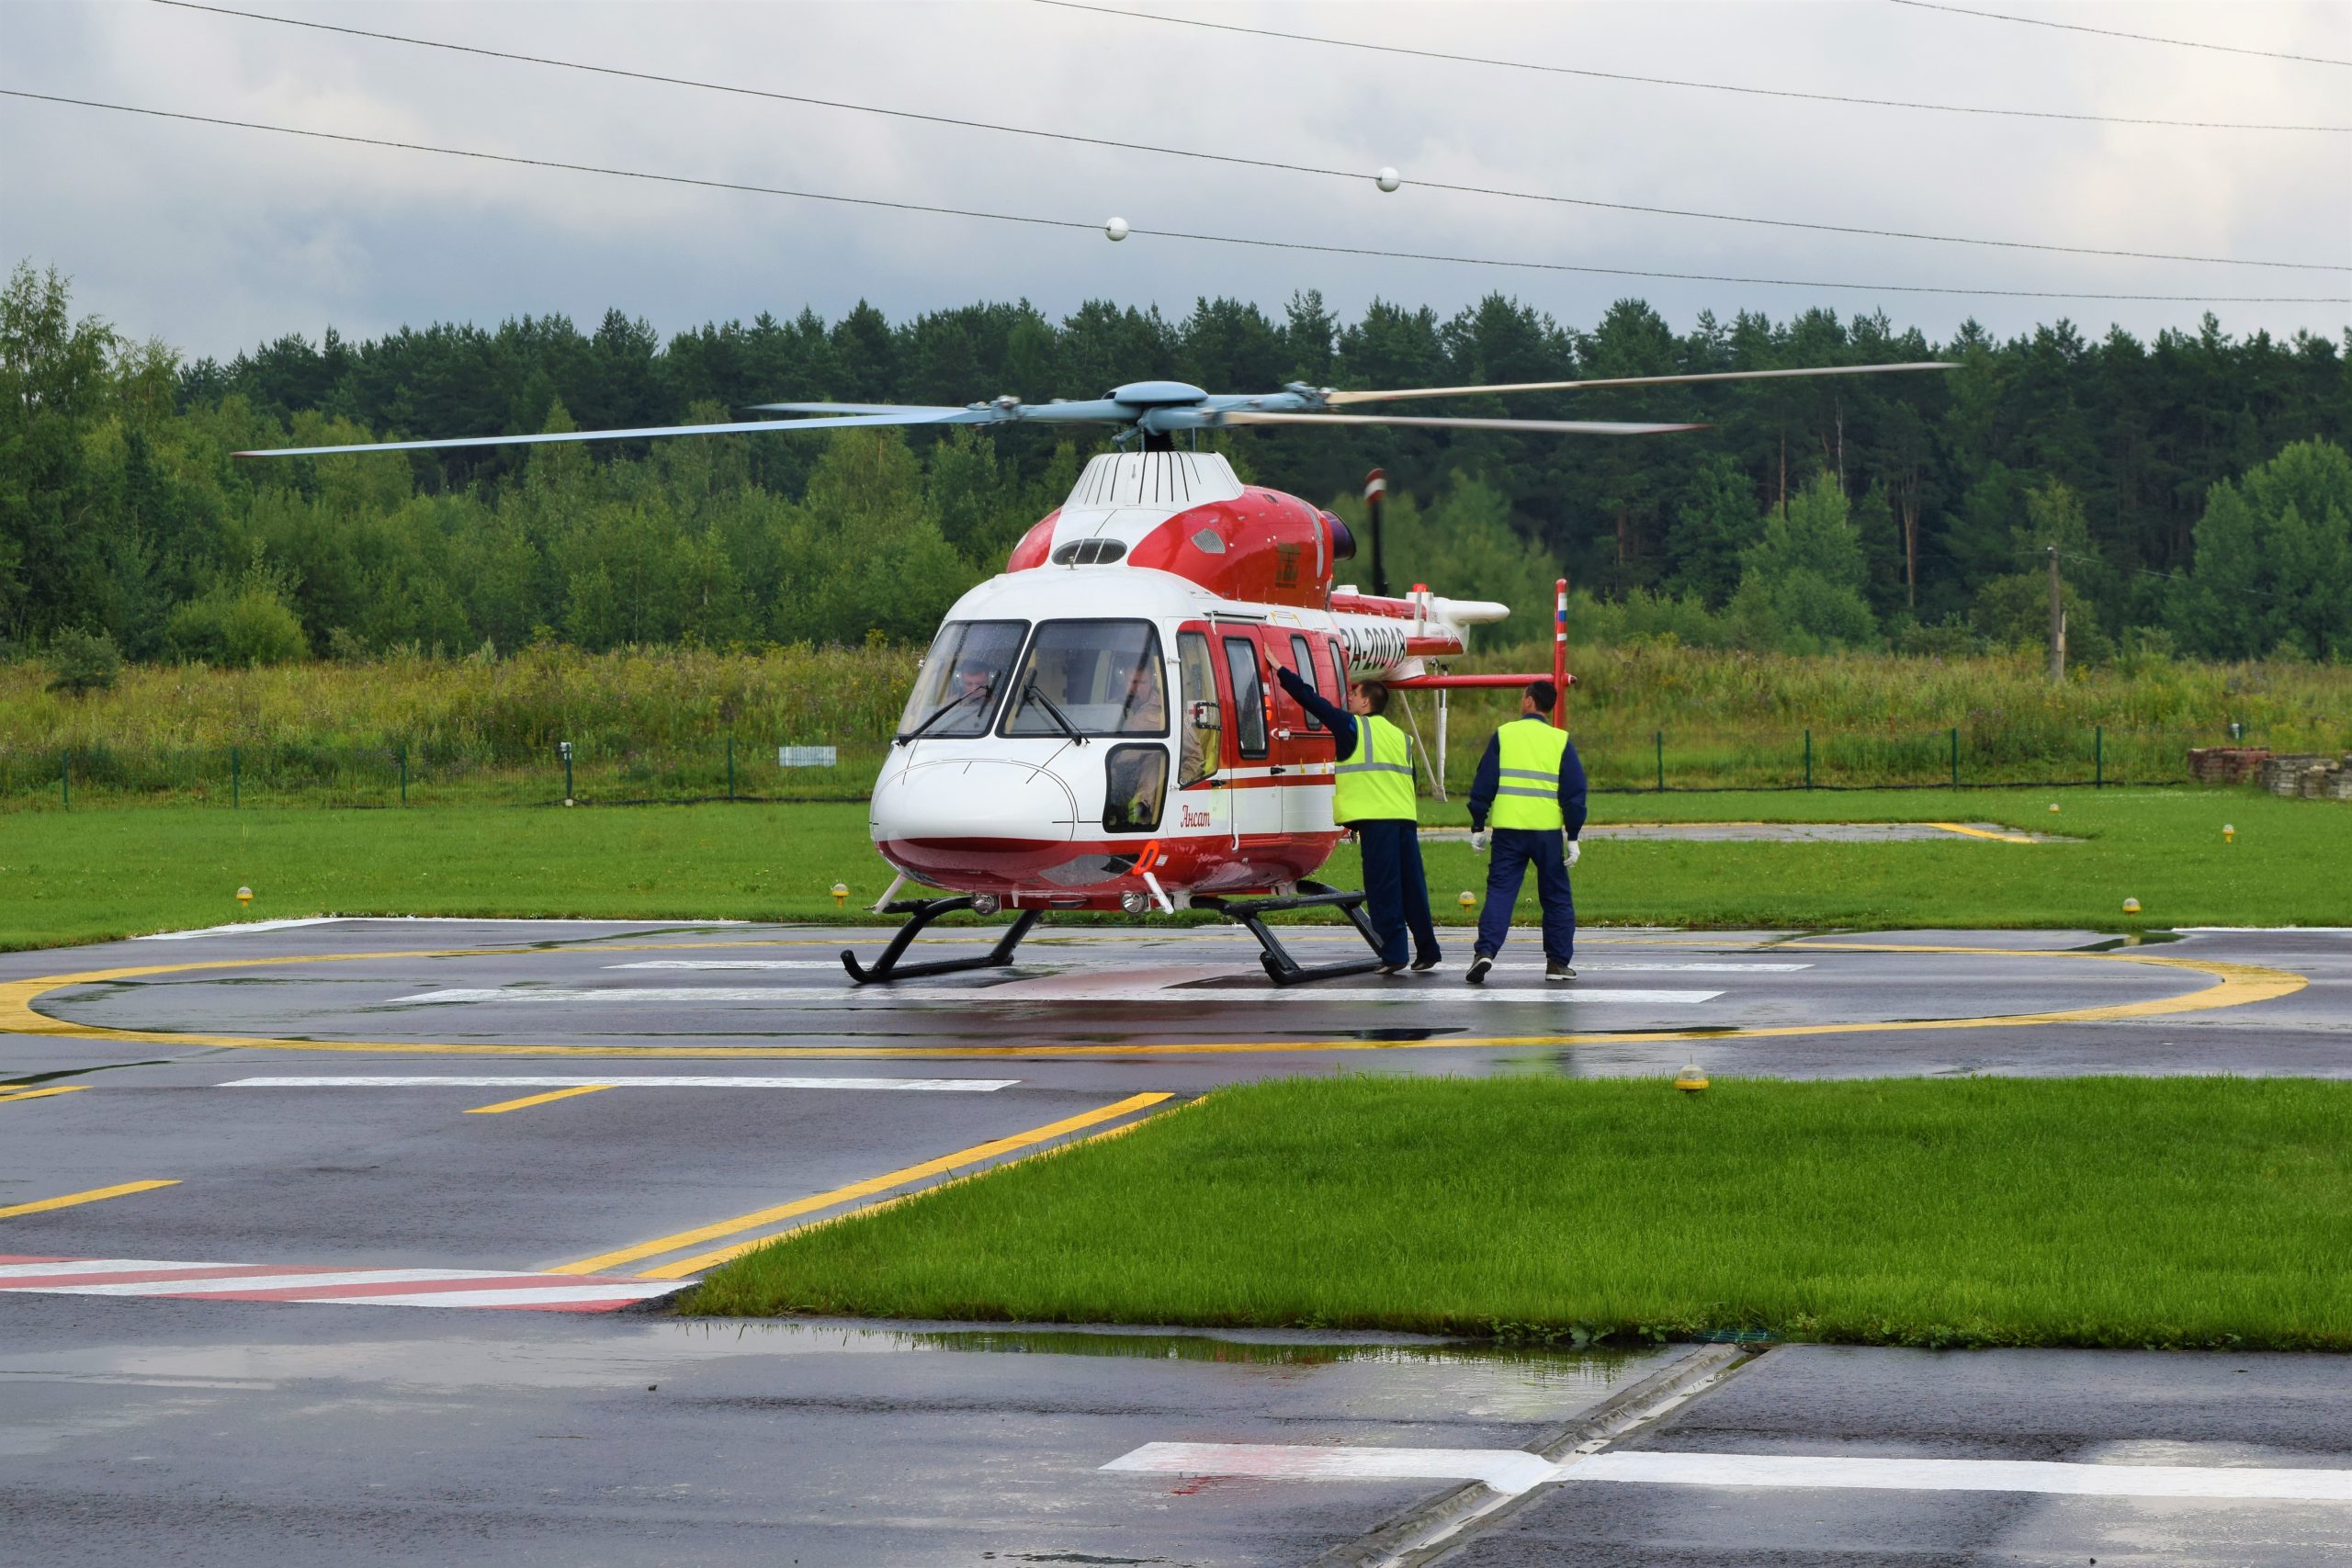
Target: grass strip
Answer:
[[1979, 1211], [68, 877]]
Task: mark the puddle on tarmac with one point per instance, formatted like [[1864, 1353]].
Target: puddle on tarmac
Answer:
[[610, 1353]]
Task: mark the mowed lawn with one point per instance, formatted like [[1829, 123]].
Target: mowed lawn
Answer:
[[2088, 1211], [83, 875]]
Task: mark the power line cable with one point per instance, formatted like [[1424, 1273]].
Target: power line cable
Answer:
[[1675, 82], [2111, 33], [1299, 245], [1349, 176]]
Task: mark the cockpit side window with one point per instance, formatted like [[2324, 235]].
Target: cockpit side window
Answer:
[[1095, 677], [1202, 730], [963, 678]]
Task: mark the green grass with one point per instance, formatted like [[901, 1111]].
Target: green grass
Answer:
[[654, 723], [2090, 1211], [84, 875]]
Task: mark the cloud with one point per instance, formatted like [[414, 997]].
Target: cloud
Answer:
[[216, 239]]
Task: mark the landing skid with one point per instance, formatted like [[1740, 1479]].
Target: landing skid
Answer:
[[924, 911], [1281, 967]]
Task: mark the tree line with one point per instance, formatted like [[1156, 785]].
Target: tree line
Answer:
[[2195, 486]]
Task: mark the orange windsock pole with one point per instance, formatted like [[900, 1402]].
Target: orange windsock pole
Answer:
[[1560, 654]]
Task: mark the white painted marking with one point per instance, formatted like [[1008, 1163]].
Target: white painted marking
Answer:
[[938, 1086], [1429, 989], [832, 963], [2234, 1482], [1608, 965], [1629, 966], [95, 1266], [312, 1280], [1513, 1471], [2277, 931], [526, 1295], [1506, 1469], [241, 927]]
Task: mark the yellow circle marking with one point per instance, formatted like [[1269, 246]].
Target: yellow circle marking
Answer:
[[2236, 985]]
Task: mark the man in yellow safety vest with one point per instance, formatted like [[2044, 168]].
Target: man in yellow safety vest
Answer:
[[1371, 792], [1529, 798]]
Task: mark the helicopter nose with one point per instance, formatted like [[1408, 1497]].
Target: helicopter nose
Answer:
[[976, 799]]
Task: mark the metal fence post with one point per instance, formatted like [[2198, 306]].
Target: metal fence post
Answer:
[[730, 767], [1955, 756], [236, 777], [2098, 756], [1808, 759], [567, 773], [1661, 762]]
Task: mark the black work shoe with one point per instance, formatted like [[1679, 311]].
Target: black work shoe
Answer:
[[1478, 967], [1390, 968], [1559, 971], [1426, 963]]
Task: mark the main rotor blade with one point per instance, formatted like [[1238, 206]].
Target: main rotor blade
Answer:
[[854, 408], [1556, 426], [1337, 399], [951, 416]]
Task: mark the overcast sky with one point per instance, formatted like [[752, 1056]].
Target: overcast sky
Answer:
[[215, 239]]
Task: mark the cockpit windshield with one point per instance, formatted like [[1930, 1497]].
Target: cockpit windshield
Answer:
[[963, 679], [1103, 677]]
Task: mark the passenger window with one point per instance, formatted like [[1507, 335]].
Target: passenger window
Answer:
[[1200, 727], [1248, 696], [1136, 780], [1302, 658]]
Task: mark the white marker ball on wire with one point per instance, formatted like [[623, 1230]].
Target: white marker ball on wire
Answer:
[[1116, 227], [1387, 179]]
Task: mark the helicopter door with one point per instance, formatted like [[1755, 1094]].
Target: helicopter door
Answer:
[[1202, 805], [1302, 745], [1256, 796]]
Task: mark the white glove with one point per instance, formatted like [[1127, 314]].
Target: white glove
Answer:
[[1575, 849], [1479, 837]]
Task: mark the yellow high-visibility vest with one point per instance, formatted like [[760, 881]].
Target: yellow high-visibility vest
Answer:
[[1527, 794], [1375, 783]]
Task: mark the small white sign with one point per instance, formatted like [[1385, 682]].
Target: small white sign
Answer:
[[807, 757]]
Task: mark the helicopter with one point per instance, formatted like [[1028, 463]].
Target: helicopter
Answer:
[[1098, 727]]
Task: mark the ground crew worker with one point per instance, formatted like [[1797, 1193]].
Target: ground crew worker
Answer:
[[1373, 793], [1528, 798]]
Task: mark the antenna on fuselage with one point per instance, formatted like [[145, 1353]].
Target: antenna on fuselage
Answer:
[[1375, 490]]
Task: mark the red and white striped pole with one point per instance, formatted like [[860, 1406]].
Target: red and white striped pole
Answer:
[[1560, 654]]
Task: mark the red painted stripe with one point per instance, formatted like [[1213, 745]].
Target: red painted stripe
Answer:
[[28, 1257]]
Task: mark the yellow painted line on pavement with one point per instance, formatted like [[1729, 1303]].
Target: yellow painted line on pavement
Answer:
[[42, 1093], [2238, 984], [866, 1189], [1982, 832], [92, 1196], [700, 1261], [530, 1100]]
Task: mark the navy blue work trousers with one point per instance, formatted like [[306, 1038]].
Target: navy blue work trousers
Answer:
[[1508, 858], [1396, 895]]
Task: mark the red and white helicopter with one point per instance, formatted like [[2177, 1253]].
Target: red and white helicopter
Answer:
[[1098, 727]]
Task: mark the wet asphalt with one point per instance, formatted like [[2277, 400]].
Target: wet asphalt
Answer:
[[143, 1430]]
